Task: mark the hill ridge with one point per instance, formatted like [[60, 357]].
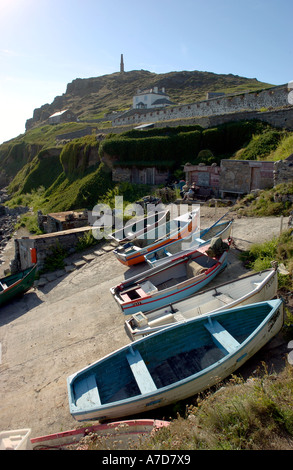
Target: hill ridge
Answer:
[[90, 98]]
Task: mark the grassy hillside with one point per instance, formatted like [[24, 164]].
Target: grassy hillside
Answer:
[[72, 176]]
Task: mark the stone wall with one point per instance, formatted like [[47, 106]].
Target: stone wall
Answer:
[[203, 176], [150, 175], [76, 134], [283, 171], [44, 244], [243, 176], [272, 98], [232, 177]]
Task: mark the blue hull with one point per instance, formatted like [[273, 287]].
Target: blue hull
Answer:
[[174, 363]]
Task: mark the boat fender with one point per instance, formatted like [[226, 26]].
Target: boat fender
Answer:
[[33, 255], [230, 240]]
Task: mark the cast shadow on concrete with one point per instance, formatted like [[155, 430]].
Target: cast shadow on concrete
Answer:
[[19, 306]]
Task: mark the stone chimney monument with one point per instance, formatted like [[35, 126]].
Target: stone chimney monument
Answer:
[[121, 64]]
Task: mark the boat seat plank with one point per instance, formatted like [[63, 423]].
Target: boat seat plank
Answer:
[[225, 298], [199, 240], [87, 392], [221, 337], [140, 371], [179, 317]]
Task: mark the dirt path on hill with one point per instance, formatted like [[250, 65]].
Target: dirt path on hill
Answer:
[[72, 321]]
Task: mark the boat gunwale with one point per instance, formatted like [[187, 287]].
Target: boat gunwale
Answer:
[[275, 305], [19, 281]]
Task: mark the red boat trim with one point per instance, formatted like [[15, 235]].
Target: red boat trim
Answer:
[[45, 440], [212, 270], [172, 237]]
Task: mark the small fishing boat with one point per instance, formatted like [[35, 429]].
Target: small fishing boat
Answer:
[[204, 237], [135, 227], [170, 282], [119, 435], [255, 287], [16, 284], [16, 439], [165, 233], [172, 364]]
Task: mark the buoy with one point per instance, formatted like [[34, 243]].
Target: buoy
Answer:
[[33, 255]]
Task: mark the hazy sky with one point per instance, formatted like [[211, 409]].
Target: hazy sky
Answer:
[[45, 44]]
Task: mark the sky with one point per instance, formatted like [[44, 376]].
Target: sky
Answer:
[[46, 44]]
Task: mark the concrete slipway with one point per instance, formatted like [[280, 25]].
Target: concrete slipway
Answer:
[[70, 322]]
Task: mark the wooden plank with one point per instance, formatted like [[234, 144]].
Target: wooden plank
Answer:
[[140, 371], [225, 298], [87, 392], [221, 337]]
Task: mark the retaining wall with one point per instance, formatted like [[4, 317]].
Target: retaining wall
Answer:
[[266, 100], [43, 244]]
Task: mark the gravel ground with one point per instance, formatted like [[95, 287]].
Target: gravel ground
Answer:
[[57, 329]]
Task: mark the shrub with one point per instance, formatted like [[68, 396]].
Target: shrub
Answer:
[[261, 145], [55, 259]]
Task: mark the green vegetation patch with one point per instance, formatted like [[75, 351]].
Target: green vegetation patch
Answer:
[[75, 154], [170, 147], [276, 201], [261, 145]]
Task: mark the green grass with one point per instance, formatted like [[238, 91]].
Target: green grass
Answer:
[[267, 203], [261, 145], [284, 149], [243, 415]]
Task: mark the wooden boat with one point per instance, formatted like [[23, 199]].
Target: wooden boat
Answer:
[[168, 283], [16, 284], [119, 435], [165, 233], [255, 287], [204, 237], [16, 439], [135, 227], [174, 363]]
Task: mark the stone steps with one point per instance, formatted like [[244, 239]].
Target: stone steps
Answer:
[[73, 264]]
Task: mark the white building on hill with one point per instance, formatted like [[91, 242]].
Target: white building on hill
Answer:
[[153, 98]]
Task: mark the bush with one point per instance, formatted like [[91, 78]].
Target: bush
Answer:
[[75, 155], [55, 259], [261, 145]]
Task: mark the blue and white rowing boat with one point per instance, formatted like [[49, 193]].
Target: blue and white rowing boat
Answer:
[[171, 282], [172, 364], [196, 240]]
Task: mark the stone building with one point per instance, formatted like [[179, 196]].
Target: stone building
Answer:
[[151, 175], [232, 177], [62, 116], [153, 98], [240, 177], [60, 221]]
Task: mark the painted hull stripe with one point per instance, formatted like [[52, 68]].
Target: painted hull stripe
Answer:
[[212, 273]]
